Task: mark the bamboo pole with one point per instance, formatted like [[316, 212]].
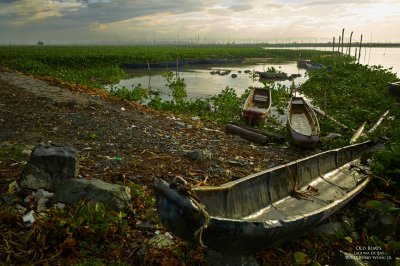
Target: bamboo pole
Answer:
[[333, 44], [351, 35], [358, 133], [339, 49], [326, 114], [342, 39], [148, 67], [359, 52]]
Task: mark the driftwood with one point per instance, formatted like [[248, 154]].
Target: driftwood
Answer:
[[271, 136], [256, 137], [358, 133], [322, 113], [378, 122]]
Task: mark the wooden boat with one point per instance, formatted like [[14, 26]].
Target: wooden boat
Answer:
[[302, 123], [314, 66], [257, 106], [302, 63], [262, 210], [394, 88]]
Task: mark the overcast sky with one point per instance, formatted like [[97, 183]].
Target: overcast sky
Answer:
[[90, 21]]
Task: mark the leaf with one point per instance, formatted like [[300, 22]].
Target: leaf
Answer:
[[374, 205], [301, 258], [100, 208]]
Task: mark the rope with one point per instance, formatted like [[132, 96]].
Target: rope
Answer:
[[181, 186], [300, 194]]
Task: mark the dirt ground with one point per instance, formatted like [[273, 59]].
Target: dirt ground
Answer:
[[118, 139]]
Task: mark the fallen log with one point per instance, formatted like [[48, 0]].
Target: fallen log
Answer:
[[378, 122], [358, 133], [271, 136], [256, 137], [322, 113]]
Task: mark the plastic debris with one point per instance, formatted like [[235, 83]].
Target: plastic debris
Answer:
[[195, 118], [167, 234], [28, 218], [59, 205], [123, 109]]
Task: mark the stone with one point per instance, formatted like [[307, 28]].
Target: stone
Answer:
[[234, 75], [49, 164], [156, 242], [115, 197], [199, 154], [382, 224], [329, 230]]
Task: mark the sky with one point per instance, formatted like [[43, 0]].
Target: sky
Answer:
[[197, 21]]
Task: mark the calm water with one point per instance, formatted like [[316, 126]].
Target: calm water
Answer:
[[200, 83]]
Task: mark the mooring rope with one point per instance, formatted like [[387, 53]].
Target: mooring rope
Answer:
[[300, 194], [180, 185]]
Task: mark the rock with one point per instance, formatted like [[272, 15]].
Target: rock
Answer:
[[329, 230], [334, 136], [343, 258], [220, 259], [234, 75], [144, 225], [382, 224], [49, 164], [113, 196], [180, 124], [157, 242], [199, 154], [247, 71]]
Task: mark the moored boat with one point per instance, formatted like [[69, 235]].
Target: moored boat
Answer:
[[257, 106], [314, 66], [267, 208], [302, 63], [302, 123]]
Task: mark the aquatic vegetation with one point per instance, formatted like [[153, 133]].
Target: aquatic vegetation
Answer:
[[99, 65]]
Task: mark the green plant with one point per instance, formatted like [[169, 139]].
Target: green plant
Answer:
[[14, 152], [177, 86]]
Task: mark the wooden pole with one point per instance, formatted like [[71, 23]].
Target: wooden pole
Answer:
[[342, 39], [256, 137], [272, 136], [339, 48], [359, 52], [351, 35], [333, 44], [148, 67]]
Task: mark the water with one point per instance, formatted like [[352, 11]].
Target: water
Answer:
[[200, 83]]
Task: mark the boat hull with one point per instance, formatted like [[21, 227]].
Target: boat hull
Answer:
[[256, 111], [302, 123], [394, 89], [258, 211]]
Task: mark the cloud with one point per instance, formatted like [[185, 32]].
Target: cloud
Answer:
[[268, 19]]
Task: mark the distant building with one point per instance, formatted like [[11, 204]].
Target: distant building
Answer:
[[40, 43]]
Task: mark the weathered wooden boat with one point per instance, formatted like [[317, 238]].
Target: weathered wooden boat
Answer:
[[302, 123], [302, 63], [267, 208], [314, 66], [394, 88], [257, 106]]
